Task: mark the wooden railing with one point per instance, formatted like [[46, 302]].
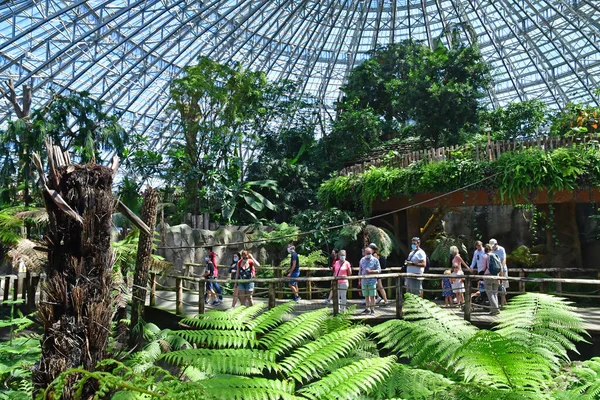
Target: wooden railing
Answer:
[[488, 152], [24, 287]]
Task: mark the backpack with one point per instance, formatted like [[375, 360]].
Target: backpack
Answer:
[[245, 273], [495, 265], [427, 264]]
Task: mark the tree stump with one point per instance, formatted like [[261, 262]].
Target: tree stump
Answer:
[[78, 307]]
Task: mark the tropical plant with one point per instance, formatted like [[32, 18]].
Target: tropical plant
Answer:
[[385, 240], [516, 120], [313, 259], [244, 196]]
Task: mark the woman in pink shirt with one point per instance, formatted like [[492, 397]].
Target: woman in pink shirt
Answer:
[[341, 267]]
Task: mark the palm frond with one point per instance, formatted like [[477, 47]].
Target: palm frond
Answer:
[[220, 338], [270, 319], [311, 359], [350, 382], [545, 324], [30, 253], [499, 362], [224, 361], [249, 389], [295, 332], [38, 215], [427, 334]]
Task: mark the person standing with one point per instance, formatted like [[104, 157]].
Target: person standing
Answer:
[[382, 298], [478, 255], [341, 267], [294, 271], [216, 286], [334, 259], [415, 264], [209, 275], [503, 284], [246, 270], [369, 265], [233, 271], [491, 285]]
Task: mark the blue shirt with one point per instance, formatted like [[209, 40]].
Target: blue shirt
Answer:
[[294, 257], [372, 265]]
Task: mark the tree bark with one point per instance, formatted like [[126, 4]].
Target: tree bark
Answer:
[[142, 267], [78, 306]]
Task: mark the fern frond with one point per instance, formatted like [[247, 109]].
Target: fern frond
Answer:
[[245, 315], [214, 319], [295, 332], [249, 389], [224, 361], [545, 324], [339, 322], [428, 333], [312, 359], [584, 382], [494, 360], [220, 338], [413, 383], [359, 378], [270, 319]]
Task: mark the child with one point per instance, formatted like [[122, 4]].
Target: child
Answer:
[[458, 285], [447, 289]]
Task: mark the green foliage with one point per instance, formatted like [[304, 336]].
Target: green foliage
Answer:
[[244, 193], [312, 219], [575, 120], [314, 259], [441, 253], [516, 120], [520, 173], [583, 381]]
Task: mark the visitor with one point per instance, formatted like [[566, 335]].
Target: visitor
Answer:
[[369, 265], [233, 271], [503, 284], [294, 271], [209, 274], [415, 264], [246, 270], [342, 268], [382, 298], [456, 258], [216, 286], [334, 258], [458, 284], [447, 289], [478, 255], [491, 285]]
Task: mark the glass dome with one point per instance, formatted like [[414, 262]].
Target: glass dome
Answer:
[[127, 52]]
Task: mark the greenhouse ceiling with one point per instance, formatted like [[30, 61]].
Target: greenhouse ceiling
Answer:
[[127, 52]]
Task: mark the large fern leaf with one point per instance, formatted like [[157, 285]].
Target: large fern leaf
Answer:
[[224, 361], [583, 382], [295, 332], [249, 389], [413, 383], [220, 338], [428, 333], [494, 360], [270, 319], [545, 324], [311, 360], [350, 382]]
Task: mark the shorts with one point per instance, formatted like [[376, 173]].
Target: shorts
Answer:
[[369, 290], [294, 275], [247, 286]]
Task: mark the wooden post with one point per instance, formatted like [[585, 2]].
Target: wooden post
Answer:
[[467, 305], [308, 286], [25, 288], [521, 283], [271, 295], [6, 287], [399, 297], [16, 289], [388, 290], [201, 293], [559, 284], [152, 289], [336, 300], [35, 280], [278, 274], [179, 296]]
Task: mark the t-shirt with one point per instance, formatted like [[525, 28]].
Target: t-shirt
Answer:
[[500, 252], [416, 256], [210, 268], [478, 259], [341, 270], [233, 269], [213, 258], [294, 256], [373, 265]]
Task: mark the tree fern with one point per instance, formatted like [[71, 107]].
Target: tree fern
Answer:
[[295, 332], [311, 359], [583, 382], [413, 383], [268, 320], [220, 338], [546, 324], [428, 333], [224, 361], [248, 389], [499, 362], [359, 378]]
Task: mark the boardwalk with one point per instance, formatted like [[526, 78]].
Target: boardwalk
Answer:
[[166, 300]]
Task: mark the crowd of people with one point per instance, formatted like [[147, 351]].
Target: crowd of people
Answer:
[[488, 260]]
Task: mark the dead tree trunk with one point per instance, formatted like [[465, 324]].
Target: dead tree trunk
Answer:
[[78, 307], [142, 266]]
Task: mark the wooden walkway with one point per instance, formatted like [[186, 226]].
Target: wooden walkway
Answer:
[[165, 300]]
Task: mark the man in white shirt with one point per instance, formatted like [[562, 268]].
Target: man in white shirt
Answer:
[[415, 264], [501, 253], [478, 257]]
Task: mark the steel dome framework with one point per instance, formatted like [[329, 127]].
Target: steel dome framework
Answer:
[[127, 52]]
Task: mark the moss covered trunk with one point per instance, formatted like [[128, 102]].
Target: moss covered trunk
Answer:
[[77, 306]]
